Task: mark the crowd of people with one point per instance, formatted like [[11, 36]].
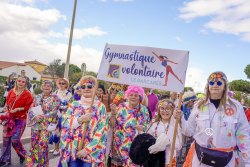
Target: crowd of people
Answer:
[[124, 125]]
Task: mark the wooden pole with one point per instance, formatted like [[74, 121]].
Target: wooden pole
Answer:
[[66, 72], [175, 133], [85, 125]]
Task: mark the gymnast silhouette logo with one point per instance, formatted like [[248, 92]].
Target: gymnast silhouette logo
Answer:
[[165, 63], [114, 71]]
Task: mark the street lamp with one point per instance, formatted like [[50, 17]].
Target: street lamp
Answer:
[[66, 72]]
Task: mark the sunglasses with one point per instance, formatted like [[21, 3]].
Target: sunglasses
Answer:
[[219, 83], [62, 83], [86, 87], [112, 90], [21, 81], [78, 88], [47, 85]]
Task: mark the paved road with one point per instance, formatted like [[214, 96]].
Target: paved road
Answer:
[[15, 159], [26, 141]]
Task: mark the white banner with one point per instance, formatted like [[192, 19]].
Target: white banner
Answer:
[[149, 67]]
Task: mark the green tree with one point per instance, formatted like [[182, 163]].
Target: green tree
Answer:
[[240, 85], [72, 69], [73, 79], [91, 73], [188, 89], [53, 68], [247, 71]]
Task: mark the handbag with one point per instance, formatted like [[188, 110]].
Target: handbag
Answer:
[[213, 157]]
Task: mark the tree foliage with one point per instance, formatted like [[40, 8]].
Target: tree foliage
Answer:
[[53, 68], [240, 85], [91, 73], [247, 71], [186, 89]]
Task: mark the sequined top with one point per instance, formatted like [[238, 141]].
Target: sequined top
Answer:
[[50, 107]]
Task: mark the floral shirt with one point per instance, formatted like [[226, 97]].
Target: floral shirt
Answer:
[[124, 130], [95, 139], [50, 107], [64, 97]]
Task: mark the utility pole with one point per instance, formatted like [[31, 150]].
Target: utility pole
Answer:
[[66, 72]]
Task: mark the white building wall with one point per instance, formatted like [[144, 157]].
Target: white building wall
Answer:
[[30, 72]]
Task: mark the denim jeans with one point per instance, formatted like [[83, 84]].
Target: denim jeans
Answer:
[[79, 163]]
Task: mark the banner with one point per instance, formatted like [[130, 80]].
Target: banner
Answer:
[[149, 67]]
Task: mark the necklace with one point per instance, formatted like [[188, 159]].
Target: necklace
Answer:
[[166, 129], [209, 131], [18, 93]]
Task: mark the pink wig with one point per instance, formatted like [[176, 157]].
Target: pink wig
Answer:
[[135, 89]]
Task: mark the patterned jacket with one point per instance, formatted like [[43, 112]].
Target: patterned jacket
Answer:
[[96, 135], [124, 130]]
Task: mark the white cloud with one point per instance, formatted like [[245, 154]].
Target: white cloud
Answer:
[[196, 78], [24, 1], [25, 34], [177, 38], [226, 16], [87, 32]]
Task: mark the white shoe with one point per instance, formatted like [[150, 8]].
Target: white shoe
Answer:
[[51, 151], [56, 153]]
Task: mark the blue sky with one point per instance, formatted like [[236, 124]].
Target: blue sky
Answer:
[[216, 32]]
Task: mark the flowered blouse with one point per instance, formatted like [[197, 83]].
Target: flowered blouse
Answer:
[[124, 130], [50, 107], [64, 97], [95, 139]]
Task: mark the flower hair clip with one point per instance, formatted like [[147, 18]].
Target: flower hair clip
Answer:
[[217, 75]]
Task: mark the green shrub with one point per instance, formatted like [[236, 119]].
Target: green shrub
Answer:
[[2, 90], [38, 90], [2, 80]]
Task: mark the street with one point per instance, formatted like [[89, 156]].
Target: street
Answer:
[[15, 159], [26, 141]]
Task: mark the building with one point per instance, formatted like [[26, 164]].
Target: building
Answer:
[[36, 65], [6, 68], [40, 68]]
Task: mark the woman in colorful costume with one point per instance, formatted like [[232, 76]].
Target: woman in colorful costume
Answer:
[[219, 127], [64, 96], [77, 94], [18, 102], [108, 99], [94, 145], [49, 103], [164, 124], [128, 120]]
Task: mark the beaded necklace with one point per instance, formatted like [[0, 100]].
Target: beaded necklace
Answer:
[[166, 130]]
